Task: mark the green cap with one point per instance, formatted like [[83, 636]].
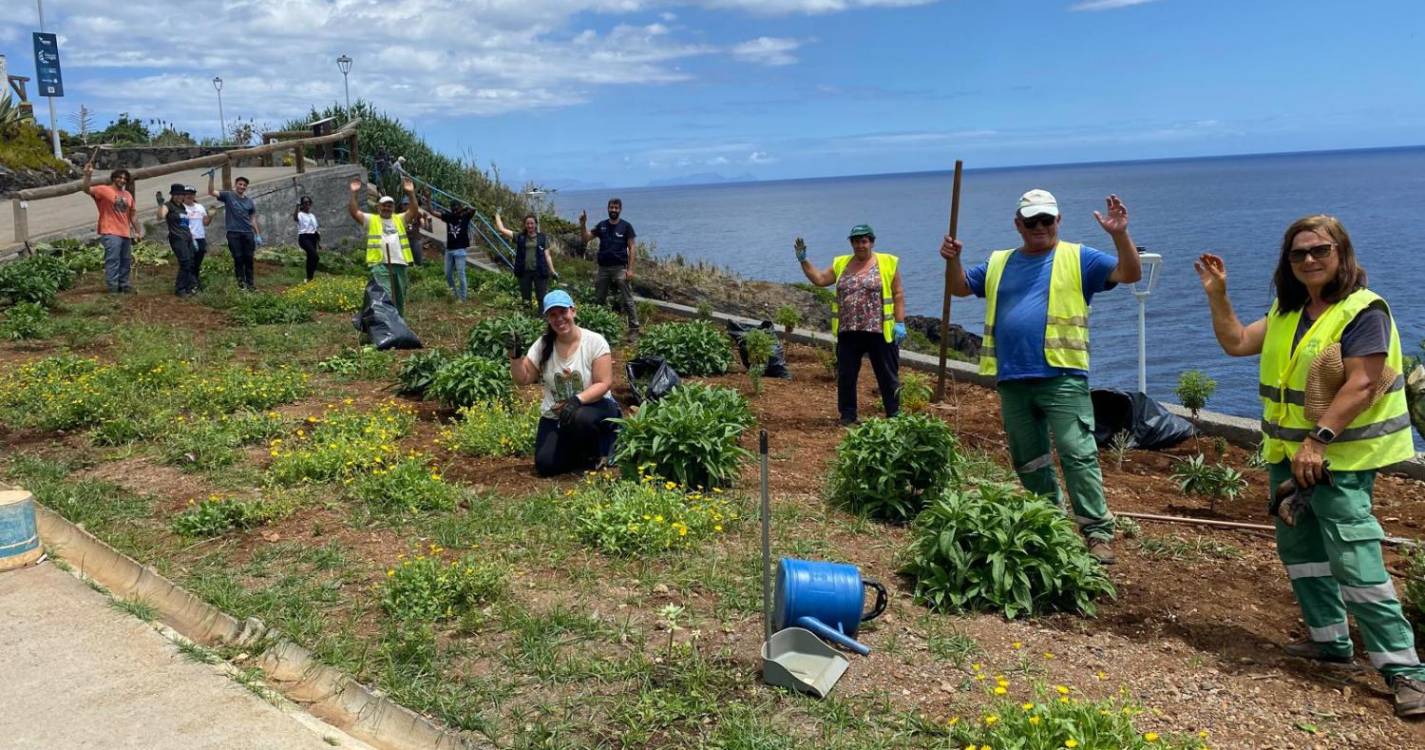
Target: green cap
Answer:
[[862, 230]]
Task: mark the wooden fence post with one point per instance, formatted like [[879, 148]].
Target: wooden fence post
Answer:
[[299, 158], [228, 173], [355, 155], [22, 220]]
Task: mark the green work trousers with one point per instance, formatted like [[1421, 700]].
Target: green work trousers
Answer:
[[1032, 411], [1333, 558], [398, 294]]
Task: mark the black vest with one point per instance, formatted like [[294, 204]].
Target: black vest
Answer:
[[541, 268]]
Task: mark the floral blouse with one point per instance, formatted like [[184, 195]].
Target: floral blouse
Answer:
[[859, 297]]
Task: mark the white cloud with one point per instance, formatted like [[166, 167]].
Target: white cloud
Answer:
[[1091, 5], [767, 50], [784, 7]]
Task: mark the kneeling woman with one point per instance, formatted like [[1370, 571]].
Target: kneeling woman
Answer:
[[577, 370]]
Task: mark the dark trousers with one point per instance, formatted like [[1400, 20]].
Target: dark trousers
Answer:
[[200, 251], [531, 283], [581, 444], [242, 247], [885, 357], [308, 243], [417, 246], [616, 276], [187, 281]]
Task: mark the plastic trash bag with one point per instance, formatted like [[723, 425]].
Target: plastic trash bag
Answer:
[[380, 322], [1151, 426], [650, 378], [777, 363]]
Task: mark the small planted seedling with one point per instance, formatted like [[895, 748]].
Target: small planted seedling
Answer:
[[1194, 390], [1120, 445], [787, 317], [1213, 481], [760, 345]]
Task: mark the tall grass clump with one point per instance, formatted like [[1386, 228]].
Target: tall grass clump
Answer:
[[887, 468]]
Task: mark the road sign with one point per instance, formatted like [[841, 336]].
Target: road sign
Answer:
[[51, 83]]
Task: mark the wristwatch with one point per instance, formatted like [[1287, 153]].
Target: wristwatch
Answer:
[[1322, 435]]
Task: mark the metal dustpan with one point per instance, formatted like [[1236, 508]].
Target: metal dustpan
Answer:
[[793, 658]]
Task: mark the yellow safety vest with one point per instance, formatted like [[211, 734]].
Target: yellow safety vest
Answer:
[[373, 238], [886, 264], [1066, 331], [1378, 437]]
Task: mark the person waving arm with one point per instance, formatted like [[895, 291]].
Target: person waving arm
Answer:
[[1236, 339], [827, 277]]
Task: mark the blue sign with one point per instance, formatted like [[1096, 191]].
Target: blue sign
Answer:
[[47, 65]]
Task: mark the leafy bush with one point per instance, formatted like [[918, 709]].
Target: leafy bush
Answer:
[[787, 317], [689, 436], [340, 444], [1213, 481], [602, 321], [211, 443], [418, 371], [1056, 720], [359, 363], [915, 392], [408, 486], [694, 348], [332, 294], [760, 345], [26, 320], [217, 515], [888, 468], [1194, 390], [490, 338], [427, 588], [494, 429], [647, 516], [261, 308], [996, 549], [1414, 599], [38, 279], [469, 379]]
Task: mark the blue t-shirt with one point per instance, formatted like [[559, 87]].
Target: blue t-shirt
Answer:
[[238, 214], [1022, 310]]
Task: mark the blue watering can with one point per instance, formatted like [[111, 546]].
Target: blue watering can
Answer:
[[826, 598]]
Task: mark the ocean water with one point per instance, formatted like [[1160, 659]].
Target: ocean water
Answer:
[[1237, 207]]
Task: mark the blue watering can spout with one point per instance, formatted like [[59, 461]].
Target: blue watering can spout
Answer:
[[832, 634]]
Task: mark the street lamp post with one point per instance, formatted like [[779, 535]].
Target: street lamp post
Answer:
[[343, 64], [222, 121], [1152, 264], [53, 127]]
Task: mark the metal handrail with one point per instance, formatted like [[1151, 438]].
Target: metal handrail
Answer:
[[500, 248]]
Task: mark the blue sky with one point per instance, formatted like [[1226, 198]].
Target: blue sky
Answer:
[[624, 92]]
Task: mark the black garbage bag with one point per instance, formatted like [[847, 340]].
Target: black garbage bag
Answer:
[[650, 378], [1151, 426], [381, 323], [777, 363]]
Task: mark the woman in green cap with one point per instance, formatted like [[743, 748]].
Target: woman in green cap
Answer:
[[867, 317]]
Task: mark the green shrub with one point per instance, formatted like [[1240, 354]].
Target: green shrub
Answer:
[[695, 348], [1213, 481], [915, 392], [888, 468], [38, 279], [332, 294], [602, 321], [1056, 720], [408, 486], [427, 588], [760, 346], [787, 317], [1194, 390], [212, 443], [689, 436], [490, 338], [216, 516], [494, 429], [996, 549], [340, 444], [647, 516], [471, 378], [418, 371], [1414, 599], [359, 363], [261, 308], [26, 320]]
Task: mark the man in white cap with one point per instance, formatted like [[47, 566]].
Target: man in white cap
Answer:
[[1037, 347], [388, 247]]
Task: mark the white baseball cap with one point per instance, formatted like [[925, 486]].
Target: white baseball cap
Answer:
[[387, 199], [1037, 202]]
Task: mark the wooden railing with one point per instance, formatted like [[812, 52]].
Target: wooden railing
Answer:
[[20, 200]]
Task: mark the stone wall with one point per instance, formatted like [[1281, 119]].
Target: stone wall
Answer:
[[276, 201], [134, 157]]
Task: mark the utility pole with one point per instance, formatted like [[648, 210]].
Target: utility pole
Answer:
[[343, 64], [53, 126]]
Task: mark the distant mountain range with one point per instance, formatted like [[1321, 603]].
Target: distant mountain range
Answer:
[[701, 178]]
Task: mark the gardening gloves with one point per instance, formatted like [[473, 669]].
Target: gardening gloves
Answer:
[[801, 247], [898, 333], [513, 345], [1290, 501], [566, 410]]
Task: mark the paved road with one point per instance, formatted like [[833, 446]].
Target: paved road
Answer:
[[75, 673], [76, 211]]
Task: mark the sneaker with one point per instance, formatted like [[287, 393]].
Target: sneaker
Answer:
[[849, 421], [1102, 551], [1409, 697], [1309, 649]]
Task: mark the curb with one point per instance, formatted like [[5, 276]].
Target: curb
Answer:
[[327, 693]]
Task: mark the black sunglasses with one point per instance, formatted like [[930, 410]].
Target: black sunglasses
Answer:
[[1038, 220], [1319, 252]]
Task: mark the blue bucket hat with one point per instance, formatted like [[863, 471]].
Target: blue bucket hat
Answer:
[[557, 298]]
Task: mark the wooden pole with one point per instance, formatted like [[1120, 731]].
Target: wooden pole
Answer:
[[22, 220], [228, 173], [945, 308], [299, 159]]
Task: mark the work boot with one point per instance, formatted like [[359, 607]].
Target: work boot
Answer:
[[1409, 697], [1309, 649], [1102, 551]]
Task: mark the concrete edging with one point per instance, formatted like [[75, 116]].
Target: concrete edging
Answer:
[[331, 695]]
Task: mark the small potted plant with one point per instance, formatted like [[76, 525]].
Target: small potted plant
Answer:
[[787, 317]]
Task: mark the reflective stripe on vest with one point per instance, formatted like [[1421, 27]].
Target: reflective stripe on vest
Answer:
[[1066, 327], [886, 264], [373, 238], [1378, 437]]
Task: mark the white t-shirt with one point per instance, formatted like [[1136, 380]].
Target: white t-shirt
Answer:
[[566, 378], [196, 213], [391, 244], [306, 223]]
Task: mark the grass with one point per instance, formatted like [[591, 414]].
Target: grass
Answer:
[[1178, 549], [136, 607]]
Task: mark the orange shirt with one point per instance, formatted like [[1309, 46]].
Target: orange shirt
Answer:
[[116, 207]]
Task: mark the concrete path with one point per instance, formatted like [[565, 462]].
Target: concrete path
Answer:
[[76, 673], [73, 213]]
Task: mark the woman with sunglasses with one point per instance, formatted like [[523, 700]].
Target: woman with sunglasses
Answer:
[[1332, 551]]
